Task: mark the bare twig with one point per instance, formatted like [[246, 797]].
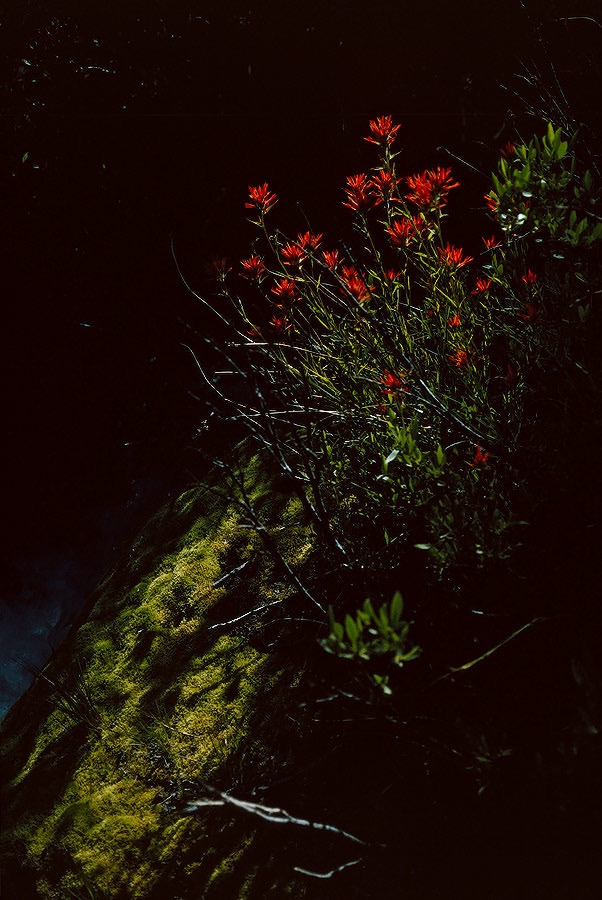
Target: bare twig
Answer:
[[268, 813], [352, 862], [244, 615]]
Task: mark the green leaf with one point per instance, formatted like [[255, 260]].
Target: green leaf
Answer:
[[352, 632], [25, 157], [369, 609], [396, 609], [423, 546], [587, 180]]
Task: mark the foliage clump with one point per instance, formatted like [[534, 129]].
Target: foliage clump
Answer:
[[418, 417]]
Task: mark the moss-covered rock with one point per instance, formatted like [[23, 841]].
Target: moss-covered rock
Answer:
[[151, 696]]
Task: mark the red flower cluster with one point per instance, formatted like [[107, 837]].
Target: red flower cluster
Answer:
[[530, 278], [460, 358], [452, 256], [492, 243], [402, 231], [253, 268], [493, 201], [279, 324], [531, 312], [285, 291], [219, 269], [261, 199], [331, 259], [482, 286], [384, 183], [392, 383], [309, 241], [480, 459], [454, 321], [383, 131], [429, 190], [508, 149], [355, 284], [293, 254], [359, 193]]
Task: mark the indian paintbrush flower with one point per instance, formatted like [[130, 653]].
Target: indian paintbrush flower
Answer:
[[359, 193], [355, 284], [253, 268], [460, 358], [261, 199], [392, 383], [402, 231], [384, 183], [480, 459], [429, 189], [482, 286], [492, 243], [452, 256], [331, 259], [285, 290], [293, 254], [383, 131]]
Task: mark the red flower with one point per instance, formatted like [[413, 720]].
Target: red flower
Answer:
[[383, 130], [279, 324], [392, 274], [492, 242], [429, 190], [261, 199], [402, 231], [482, 286], [255, 334], [452, 256], [358, 193], [219, 269], [480, 459], [454, 321], [460, 358], [254, 268], [392, 383], [493, 201], [293, 254], [309, 241], [355, 284], [508, 149], [384, 183], [331, 258], [285, 290], [529, 278], [531, 312]]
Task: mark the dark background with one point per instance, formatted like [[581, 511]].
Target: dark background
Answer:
[[124, 126]]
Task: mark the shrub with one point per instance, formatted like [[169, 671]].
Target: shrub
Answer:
[[411, 393]]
